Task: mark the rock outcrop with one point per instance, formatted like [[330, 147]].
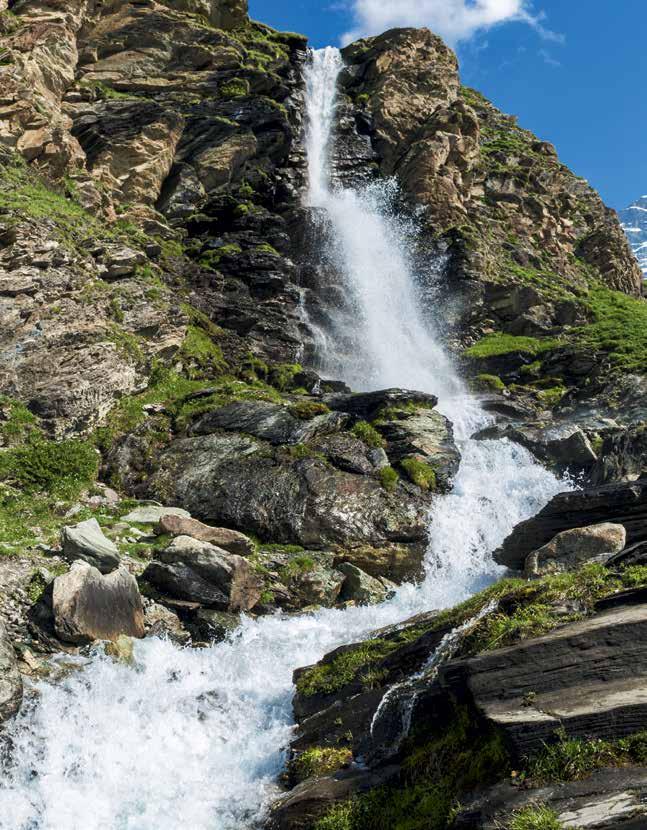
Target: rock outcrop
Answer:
[[623, 504], [572, 548]]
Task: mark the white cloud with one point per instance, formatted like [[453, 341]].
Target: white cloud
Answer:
[[453, 20]]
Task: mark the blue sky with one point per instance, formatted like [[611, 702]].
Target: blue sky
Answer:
[[573, 71]]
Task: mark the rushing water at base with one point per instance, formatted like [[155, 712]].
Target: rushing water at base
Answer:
[[196, 738]]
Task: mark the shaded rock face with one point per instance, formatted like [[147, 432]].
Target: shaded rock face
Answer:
[[624, 504], [10, 678], [88, 606]]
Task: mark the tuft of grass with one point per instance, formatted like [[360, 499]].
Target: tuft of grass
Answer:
[[369, 435], [420, 473], [536, 817], [320, 760], [498, 344], [492, 382], [307, 410], [389, 479]]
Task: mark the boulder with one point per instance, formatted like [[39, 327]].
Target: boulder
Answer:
[[89, 606], [624, 503], [572, 548], [10, 678], [86, 541], [232, 480], [359, 587], [160, 621], [229, 540], [367, 405], [214, 626], [203, 573], [150, 514]]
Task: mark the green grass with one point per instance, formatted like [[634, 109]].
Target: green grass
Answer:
[[420, 473], [17, 421], [319, 761], [368, 434], [571, 759], [460, 757], [492, 382], [307, 410], [234, 88], [618, 328], [536, 817], [498, 344], [388, 479]]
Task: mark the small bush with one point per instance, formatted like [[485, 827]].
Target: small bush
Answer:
[[60, 467]]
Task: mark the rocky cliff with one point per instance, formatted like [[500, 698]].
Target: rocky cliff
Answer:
[[155, 263]]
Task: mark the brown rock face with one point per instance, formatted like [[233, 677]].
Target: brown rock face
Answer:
[[88, 606], [468, 164], [229, 540], [228, 14]]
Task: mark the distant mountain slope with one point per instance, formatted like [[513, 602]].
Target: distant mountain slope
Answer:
[[634, 221]]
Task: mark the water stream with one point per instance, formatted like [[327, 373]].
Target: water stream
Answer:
[[197, 738]]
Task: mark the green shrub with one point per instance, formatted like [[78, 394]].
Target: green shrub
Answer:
[[56, 467], [368, 434], [234, 88]]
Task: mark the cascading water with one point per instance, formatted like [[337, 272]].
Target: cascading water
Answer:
[[196, 738]]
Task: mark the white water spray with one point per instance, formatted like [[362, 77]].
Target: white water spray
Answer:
[[196, 738]]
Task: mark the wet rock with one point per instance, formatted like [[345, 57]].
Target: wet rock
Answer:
[[564, 447], [572, 548], [214, 626], [606, 800], [150, 514], [229, 540], [122, 650], [367, 405], [624, 504], [623, 456], [86, 541], [359, 587], [201, 572], [160, 621], [10, 678], [268, 421], [88, 606]]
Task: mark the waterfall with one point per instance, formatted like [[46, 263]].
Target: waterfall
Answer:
[[197, 738]]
